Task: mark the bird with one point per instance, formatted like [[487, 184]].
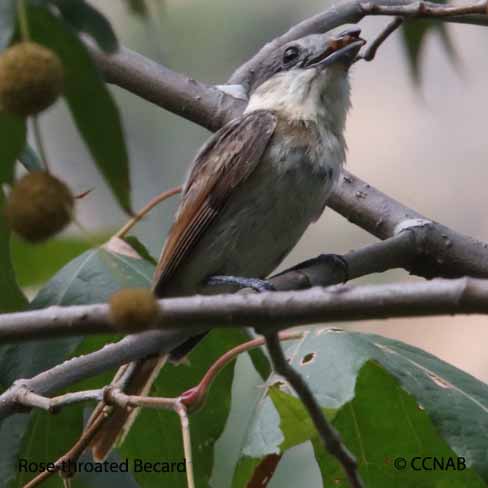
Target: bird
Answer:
[[253, 189]]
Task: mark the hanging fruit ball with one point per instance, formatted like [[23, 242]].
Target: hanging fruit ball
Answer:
[[39, 206], [133, 307], [31, 78]]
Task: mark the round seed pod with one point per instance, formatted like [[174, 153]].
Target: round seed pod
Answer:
[[31, 78], [39, 206], [133, 307]]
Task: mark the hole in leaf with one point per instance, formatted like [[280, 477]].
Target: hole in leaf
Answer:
[[308, 358]]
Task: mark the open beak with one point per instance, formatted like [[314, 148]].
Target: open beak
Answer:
[[342, 48]]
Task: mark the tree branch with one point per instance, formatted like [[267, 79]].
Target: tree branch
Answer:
[[330, 437], [372, 48], [347, 12], [424, 9], [341, 303], [208, 105], [440, 251], [203, 104]]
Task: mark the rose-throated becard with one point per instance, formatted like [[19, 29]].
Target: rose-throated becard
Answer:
[[254, 187]]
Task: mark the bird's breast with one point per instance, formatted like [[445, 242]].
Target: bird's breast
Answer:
[[269, 212]]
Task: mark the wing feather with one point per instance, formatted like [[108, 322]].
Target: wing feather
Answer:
[[227, 160]]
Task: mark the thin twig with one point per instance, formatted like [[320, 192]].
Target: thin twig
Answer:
[[391, 27], [195, 397], [118, 397], [328, 434], [424, 9], [30, 399], [180, 409], [23, 21], [146, 209]]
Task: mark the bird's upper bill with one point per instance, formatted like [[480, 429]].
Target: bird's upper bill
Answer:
[[341, 48]]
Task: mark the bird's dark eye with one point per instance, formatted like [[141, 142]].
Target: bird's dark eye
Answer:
[[290, 55]]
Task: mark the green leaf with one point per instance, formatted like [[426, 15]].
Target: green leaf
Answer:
[[30, 160], [90, 278], [137, 7], [11, 297], [141, 249], [414, 35], [13, 133], [89, 100], [295, 423], [94, 276], [387, 425], [85, 18], [7, 22], [36, 263], [156, 434], [374, 408]]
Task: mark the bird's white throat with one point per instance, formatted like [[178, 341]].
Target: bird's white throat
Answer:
[[320, 96]]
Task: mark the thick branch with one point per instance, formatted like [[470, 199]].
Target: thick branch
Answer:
[[342, 303], [196, 101], [441, 252], [109, 357]]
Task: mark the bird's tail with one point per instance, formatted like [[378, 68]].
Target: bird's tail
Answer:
[[115, 429]]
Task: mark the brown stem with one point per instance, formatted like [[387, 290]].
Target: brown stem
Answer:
[[195, 397], [146, 209]]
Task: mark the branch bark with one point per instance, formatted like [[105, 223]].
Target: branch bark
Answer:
[[193, 100], [440, 251], [195, 314]]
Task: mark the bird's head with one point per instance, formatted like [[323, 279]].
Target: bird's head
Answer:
[[307, 79]]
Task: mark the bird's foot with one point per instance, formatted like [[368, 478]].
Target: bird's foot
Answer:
[[254, 283]]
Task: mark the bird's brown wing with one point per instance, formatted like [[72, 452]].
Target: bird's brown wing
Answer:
[[224, 162], [227, 160]]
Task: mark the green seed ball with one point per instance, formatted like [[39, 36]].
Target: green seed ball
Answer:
[[133, 307], [31, 78], [39, 206]]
